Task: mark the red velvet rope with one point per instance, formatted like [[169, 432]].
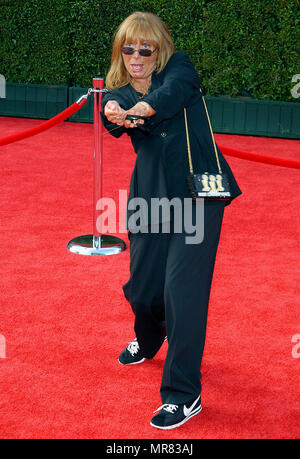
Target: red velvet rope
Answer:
[[78, 105], [260, 158], [46, 125]]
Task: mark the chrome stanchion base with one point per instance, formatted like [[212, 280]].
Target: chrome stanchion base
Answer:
[[96, 245]]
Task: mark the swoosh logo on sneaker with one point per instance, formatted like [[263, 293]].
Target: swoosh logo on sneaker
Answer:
[[188, 411]]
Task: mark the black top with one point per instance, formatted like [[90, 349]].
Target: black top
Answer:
[[162, 161]]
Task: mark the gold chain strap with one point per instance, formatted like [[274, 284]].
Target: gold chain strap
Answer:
[[188, 140]]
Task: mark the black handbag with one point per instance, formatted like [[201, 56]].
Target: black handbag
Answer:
[[206, 185]]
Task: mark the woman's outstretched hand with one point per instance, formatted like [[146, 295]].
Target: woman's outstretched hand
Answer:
[[115, 114], [141, 109]]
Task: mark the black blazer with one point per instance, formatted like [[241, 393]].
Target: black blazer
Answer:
[[162, 162]]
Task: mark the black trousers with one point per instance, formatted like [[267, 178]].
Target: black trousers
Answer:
[[169, 286]]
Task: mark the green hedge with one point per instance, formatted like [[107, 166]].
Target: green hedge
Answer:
[[35, 41], [253, 47], [239, 48]]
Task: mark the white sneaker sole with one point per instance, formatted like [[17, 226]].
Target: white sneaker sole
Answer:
[[179, 423], [133, 363]]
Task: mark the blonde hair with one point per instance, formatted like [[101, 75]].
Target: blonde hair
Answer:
[[143, 26]]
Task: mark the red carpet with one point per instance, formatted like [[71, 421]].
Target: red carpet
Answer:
[[65, 320]]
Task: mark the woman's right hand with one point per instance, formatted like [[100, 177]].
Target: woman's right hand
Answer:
[[114, 113]]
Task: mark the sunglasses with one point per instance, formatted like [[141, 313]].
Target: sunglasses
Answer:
[[145, 52]]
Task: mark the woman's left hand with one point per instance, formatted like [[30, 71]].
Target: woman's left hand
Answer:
[[139, 109]]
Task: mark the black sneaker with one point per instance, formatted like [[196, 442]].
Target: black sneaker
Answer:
[[171, 416], [131, 354]]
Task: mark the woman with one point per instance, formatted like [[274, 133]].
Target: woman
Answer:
[[170, 280]]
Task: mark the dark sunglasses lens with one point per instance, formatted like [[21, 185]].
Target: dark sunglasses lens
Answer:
[[127, 50], [145, 52], [142, 52]]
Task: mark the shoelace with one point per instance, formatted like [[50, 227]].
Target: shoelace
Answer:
[[167, 407], [133, 347]]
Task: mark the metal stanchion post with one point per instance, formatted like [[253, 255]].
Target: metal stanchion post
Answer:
[[97, 243]]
